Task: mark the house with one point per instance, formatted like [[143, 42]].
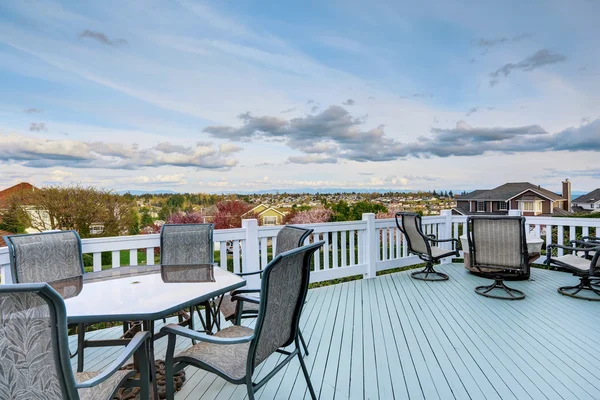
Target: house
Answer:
[[20, 191], [267, 215], [588, 202], [526, 197], [4, 233]]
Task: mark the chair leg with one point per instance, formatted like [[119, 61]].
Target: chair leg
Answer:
[[584, 284], [239, 306], [306, 376], [424, 274], [80, 346], [169, 368], [144, 372], [513, 294], [303, 342], [250, 387]]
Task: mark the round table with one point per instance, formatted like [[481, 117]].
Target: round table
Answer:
[[534, 248]]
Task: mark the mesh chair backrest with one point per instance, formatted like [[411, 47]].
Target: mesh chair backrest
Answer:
[[283, 292], [497, 242], [411, 227], [291, 237], [186, 244], [29, 352], [45, 257]]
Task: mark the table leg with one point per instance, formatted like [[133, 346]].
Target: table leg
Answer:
[[208, 316], [148, 326]]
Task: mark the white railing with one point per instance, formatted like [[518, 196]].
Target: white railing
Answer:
[[351, 248]]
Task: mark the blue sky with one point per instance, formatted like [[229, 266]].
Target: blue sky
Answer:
[[251, 95]]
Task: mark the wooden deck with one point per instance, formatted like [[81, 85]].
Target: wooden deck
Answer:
[[397, 338]]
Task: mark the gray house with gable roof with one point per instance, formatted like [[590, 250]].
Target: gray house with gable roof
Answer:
[[588, 202], [526, 197]]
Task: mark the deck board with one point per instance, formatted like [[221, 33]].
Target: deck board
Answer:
[[396, 337]]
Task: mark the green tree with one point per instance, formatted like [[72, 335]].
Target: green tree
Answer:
[[340, 211], [134, 228], [146, 219], [176, 201], [14, 219], [78, 208], [164, 213], [366, 207]]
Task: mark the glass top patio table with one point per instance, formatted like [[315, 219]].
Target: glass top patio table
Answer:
[[141, 293]]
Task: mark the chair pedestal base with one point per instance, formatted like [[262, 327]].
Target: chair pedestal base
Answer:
[[586, 285], [429, 274], [509, 293]]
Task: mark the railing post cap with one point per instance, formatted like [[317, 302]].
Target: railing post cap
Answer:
[[249, 222]]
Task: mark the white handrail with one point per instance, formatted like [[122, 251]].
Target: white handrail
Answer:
[[351, 247]]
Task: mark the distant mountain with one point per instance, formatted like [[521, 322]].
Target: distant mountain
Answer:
[[140, 192], [304, 190], [321, 190]]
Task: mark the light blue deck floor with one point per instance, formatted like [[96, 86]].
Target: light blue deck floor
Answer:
[[395, 337]]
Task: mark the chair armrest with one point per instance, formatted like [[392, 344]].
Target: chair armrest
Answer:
[[244, 291], [173, 329], [249, 273], [139, 339], [570, 248], [591, 238], [444, 240], [249, 299]]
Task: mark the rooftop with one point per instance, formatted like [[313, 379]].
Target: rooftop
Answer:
[[395, 337], [508, 191], [591, 197]]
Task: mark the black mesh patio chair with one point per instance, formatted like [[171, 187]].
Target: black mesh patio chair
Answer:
[[423, 246], [583, 260], [589, 241], [499, 244], [34, 351], [234, 352], [54, 258], [189, 245], [235, 309]]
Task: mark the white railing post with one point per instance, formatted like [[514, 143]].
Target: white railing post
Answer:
[[251, 258], [6, 274], [371, 245], [447, 233]]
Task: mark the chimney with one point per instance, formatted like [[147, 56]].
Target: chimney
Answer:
[[566, 194]]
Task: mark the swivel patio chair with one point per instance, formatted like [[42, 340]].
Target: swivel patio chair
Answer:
[[54, 258], [583, 261], [234, 308], [589, 241], [423, 246], [34, 351], [234, 352], [498, 244]]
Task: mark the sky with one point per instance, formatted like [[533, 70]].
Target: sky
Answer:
[[255, 95]]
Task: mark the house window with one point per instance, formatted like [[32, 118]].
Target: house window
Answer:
[[96, 229], [527, 205], [269, 220], [481, 206], [502, 206]]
